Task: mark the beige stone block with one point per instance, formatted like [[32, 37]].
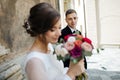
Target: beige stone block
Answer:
[[3, 50], [7, 73], [17, 76]]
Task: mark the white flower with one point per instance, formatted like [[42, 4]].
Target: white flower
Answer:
[[60, 50], [71, 39]]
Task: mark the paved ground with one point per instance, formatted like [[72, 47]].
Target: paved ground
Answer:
[[105, 65], [94, 74]]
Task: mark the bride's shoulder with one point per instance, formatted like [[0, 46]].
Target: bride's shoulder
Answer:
[[33, 54]]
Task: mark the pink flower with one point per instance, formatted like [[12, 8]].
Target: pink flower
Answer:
[[86, 46], [69, 45]]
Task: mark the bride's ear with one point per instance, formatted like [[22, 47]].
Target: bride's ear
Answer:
[[42, 37]]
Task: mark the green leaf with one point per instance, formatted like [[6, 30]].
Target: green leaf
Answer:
[[75, 60], [67, 56], [60, 57], [61, 40], [87, 53], [98, 50]]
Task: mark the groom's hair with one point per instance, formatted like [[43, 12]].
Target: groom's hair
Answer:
[[69, 11]]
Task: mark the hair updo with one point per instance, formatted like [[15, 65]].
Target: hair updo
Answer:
[[41, 19]]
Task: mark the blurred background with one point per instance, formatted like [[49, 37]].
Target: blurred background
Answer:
[[98, 20]]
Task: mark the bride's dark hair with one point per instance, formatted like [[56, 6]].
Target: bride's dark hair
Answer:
[[41, 19]]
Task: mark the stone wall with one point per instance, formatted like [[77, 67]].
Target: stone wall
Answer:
[[14, 41]]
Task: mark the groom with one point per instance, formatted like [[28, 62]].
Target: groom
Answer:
[[71, 20]]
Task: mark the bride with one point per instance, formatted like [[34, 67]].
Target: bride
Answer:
[[40, 64]]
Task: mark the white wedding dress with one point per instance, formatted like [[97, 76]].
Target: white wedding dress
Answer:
[[54, 69]]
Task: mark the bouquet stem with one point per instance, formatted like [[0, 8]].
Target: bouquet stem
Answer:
[[83, 76]]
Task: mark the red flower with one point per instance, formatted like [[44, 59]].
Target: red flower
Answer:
[[76, 52], [87, 40]]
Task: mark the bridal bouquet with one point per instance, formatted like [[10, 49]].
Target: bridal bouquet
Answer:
[[74, 47]]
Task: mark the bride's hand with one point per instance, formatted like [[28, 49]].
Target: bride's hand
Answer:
[[76, 69]]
